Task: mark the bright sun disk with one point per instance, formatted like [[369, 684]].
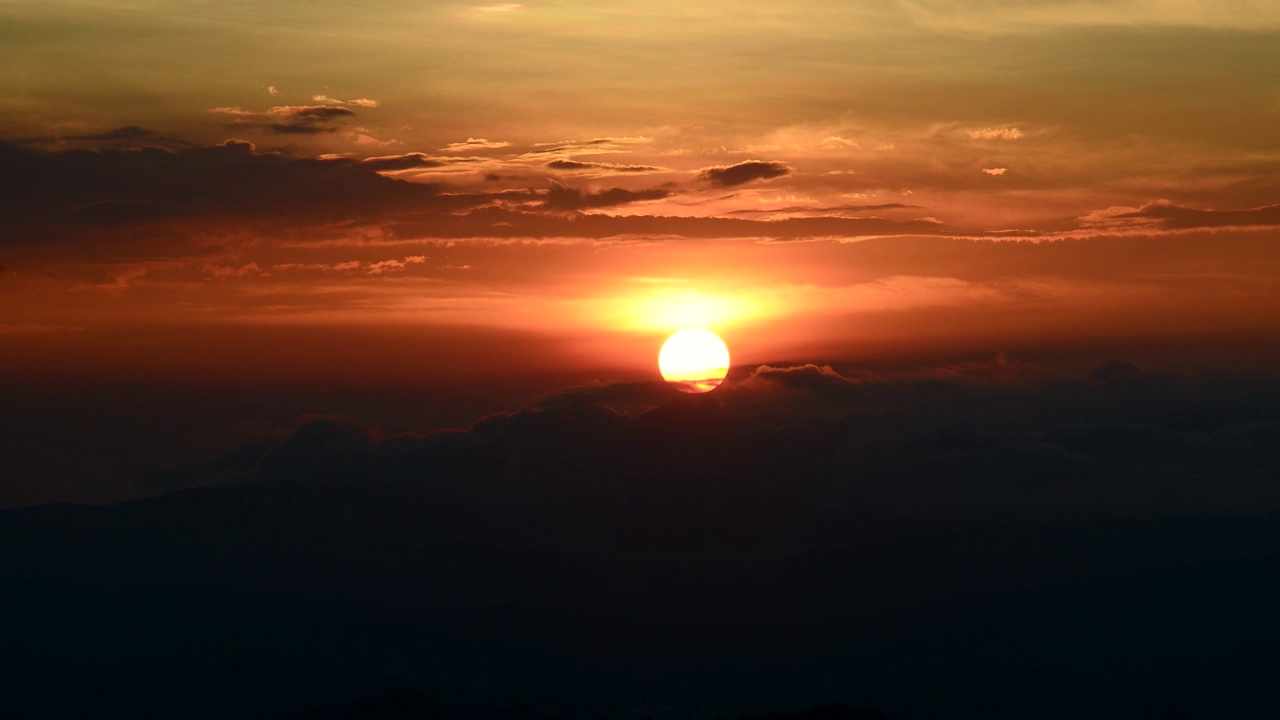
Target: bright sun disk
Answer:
[[695, 359]]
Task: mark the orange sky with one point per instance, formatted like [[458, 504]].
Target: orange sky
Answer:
[[424, 194]]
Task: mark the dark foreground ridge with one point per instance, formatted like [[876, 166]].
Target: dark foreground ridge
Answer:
[[407, 704], [1108, 548], [266, 601]]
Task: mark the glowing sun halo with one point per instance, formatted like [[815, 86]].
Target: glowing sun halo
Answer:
[[695, 359]]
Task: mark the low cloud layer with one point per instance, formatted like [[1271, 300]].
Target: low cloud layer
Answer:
[[234, 183]]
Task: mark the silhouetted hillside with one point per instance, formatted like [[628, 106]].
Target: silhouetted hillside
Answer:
[[697, 560]]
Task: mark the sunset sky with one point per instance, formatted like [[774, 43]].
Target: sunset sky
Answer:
[[430, 195], [330, 339]]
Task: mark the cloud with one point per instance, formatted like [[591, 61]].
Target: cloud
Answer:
[[1010, 133], [995, 171], [224, 272], [321, 267], [369, 268], [306, 119], [366, 140], [131, 132], [1168, 215], [598, 145], [497, 9], [622, 140], [192, 191], [1027, 16], [289, 119], [562, 197], [836, 142], [224, 183], [386, 265], [378, 268], [807, 377], [825, 210], [577, 165], [515, 214], [358, 102], [129, 136], [400, 162], [571, 165], [472, 144], [234, 185], [744, 172]]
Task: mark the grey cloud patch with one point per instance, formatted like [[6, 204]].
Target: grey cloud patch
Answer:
[[121, 137], [234, 185], [578, 165], [595, 145], [289, 119], [228, 182], [1032, 16], [308, 120], [621, 140], [406, 161], [745, 172], [504, 215], [828, 209], [1170, 216], [567, 198], [569, 165], [130, 132]]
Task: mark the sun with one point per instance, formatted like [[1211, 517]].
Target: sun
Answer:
[[696, 360]]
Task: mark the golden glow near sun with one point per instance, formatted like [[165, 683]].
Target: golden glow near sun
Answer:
[[695, 359], [657, 309], [693, 310]]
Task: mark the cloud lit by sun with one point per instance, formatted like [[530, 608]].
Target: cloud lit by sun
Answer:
[[496, 9]]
